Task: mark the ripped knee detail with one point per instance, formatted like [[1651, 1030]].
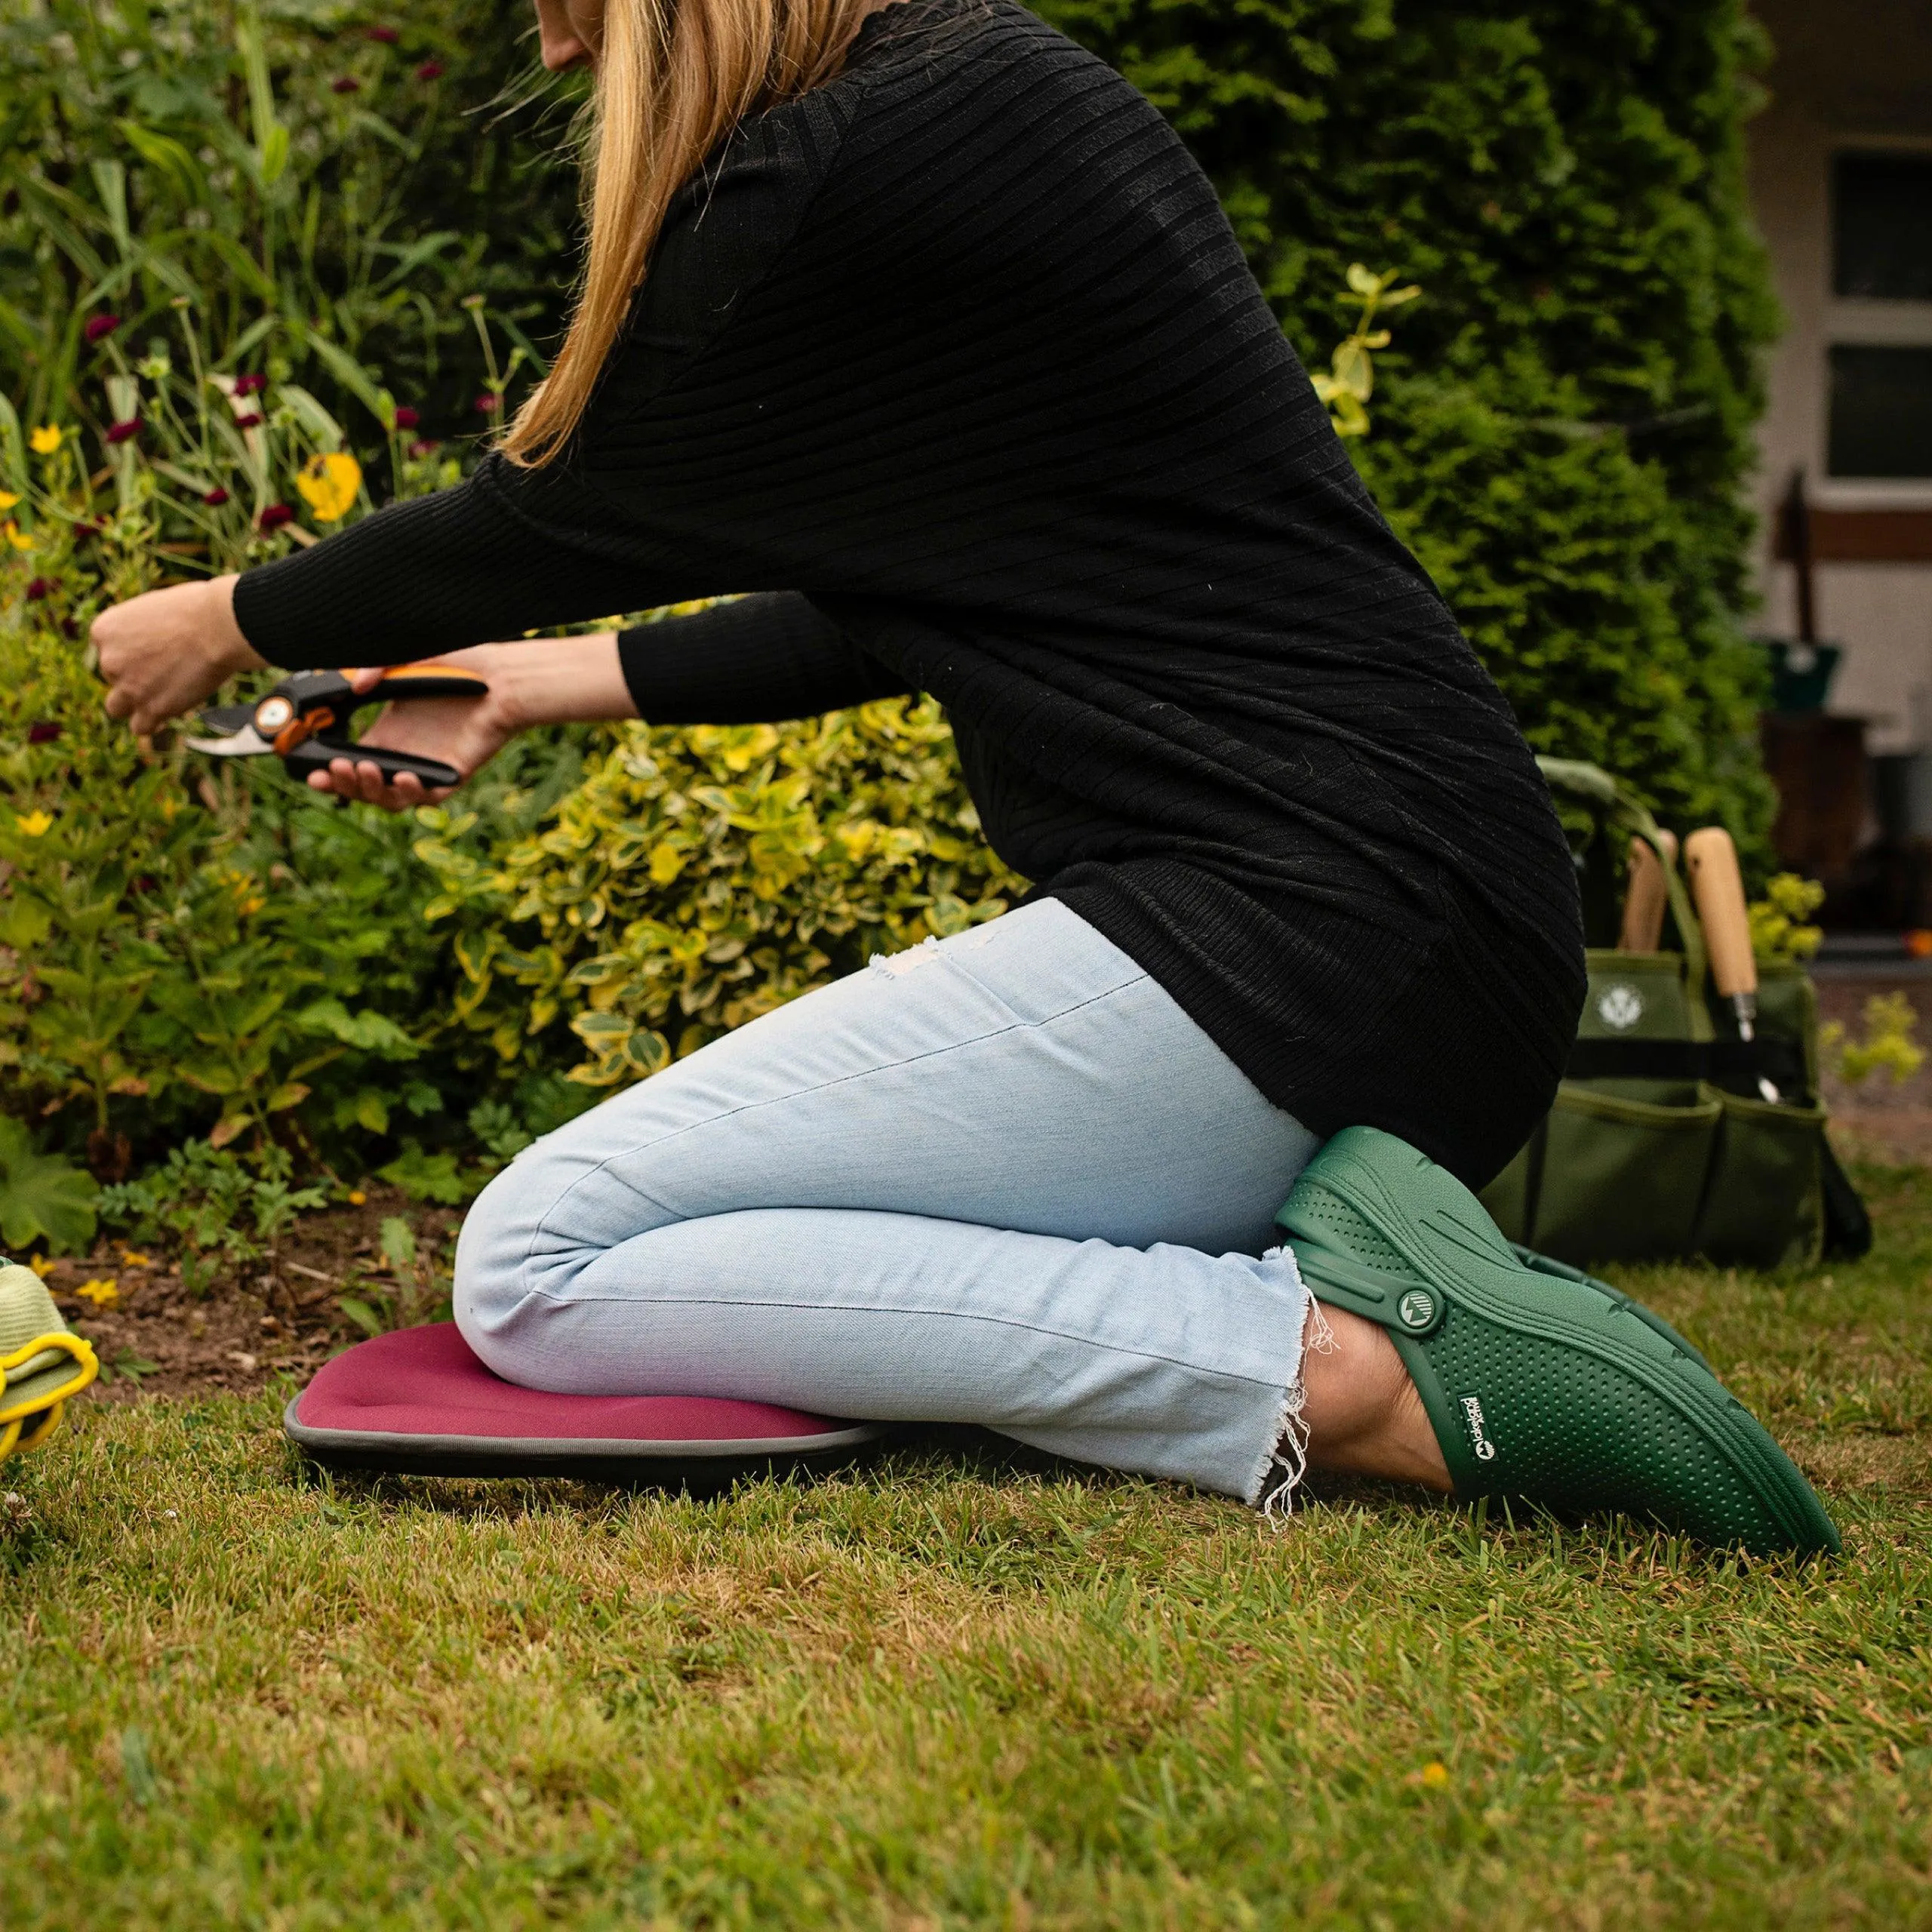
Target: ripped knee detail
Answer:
[[897, 965]]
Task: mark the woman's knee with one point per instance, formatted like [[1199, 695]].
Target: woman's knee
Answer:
[[526, 1242], [495, 1257]]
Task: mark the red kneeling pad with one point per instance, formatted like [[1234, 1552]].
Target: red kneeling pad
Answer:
[[419, 1403]]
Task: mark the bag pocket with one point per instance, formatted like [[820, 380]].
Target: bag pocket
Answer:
[[1509, 1197], [1764, 1206], [1623, 1179]]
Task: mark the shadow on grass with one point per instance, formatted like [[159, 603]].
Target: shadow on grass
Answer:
[[912, 1452]]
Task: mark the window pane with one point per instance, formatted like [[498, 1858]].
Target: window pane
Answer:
[[1881, 412], [1882, 223]]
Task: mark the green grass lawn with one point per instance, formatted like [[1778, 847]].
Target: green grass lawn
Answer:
[[949, 1690]]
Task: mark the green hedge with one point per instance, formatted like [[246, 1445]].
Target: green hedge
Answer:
[[1562, 425]]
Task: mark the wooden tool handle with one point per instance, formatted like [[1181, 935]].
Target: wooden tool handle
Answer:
[[1644, 896], [1717, 887]]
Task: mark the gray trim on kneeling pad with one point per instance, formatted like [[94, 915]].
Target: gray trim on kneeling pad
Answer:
[[670, 1462]]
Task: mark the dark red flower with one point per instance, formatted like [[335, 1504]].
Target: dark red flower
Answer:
[[274, 517], [251, 385], [487, 404], [253, 420], [41, 586], [70, 629], [430, 70], [423, 447], [387, 36], [86, 529], [216, 497], [99, 326], [407, 418], [345, 83], [43, 734], [124, 432], [144, 884]]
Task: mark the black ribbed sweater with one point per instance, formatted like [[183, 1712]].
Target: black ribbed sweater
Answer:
[[959, 351]]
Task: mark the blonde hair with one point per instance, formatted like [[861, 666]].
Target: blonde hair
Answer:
[[674, 78]]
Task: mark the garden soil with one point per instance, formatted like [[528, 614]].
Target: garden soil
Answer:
[[277, 1318]]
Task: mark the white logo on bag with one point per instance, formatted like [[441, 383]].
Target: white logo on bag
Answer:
[[1621, 1007], [1472, 1414]]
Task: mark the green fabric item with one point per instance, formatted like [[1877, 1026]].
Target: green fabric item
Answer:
[[1637, 1167], [1542, 1385], [26, 1313], [40, 1381]]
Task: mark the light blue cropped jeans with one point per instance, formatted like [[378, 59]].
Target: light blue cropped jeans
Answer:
[[998, 1179]]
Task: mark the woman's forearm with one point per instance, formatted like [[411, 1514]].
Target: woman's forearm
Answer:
[[561, 680]]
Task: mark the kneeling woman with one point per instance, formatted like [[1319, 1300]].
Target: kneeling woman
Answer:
[[918, 321]]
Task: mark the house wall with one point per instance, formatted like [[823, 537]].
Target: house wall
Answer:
[[1847, 74]]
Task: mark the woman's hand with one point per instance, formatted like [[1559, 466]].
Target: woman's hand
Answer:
[[163, 653], [549, 681], [464, 732]]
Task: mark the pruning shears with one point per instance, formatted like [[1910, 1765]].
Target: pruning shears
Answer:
[[305, 720]]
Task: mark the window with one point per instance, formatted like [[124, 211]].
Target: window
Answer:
[[1880, 389], [1881, 208], [1881, 411]]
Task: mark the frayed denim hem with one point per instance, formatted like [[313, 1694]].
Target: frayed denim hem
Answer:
[[1279, 1471]]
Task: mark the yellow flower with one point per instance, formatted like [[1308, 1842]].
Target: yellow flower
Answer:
[[33, 823], [40, 1264], [16, 535], [8, 498], [356, 1197], [103, 1294], [1436, 1776], [131, 1259], [249, 898], [45, 440], [328, 483]]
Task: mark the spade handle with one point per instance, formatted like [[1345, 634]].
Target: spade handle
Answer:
[[1717, 886], [1645, 895]]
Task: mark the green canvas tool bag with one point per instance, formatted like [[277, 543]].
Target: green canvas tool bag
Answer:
[[1664, 1141]]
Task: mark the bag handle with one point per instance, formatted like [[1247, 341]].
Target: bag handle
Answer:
[[1615, 808]]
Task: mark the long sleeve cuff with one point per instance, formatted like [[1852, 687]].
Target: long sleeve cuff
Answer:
[[753, 661]]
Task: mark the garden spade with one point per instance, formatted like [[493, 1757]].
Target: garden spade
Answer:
[[1717, 886], [305, 720]]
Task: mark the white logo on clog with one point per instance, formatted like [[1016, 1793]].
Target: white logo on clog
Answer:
[[1621, 1007], [1472, 1414]]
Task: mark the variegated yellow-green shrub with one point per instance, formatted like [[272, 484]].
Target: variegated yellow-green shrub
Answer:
[[701, 876]]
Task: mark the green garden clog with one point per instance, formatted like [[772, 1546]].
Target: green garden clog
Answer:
[[41, 1362], [1542, 1385]]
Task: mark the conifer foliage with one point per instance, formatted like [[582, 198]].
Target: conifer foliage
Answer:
[[1562, 426]]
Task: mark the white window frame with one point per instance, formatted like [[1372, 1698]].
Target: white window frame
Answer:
[[1865, 322]]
